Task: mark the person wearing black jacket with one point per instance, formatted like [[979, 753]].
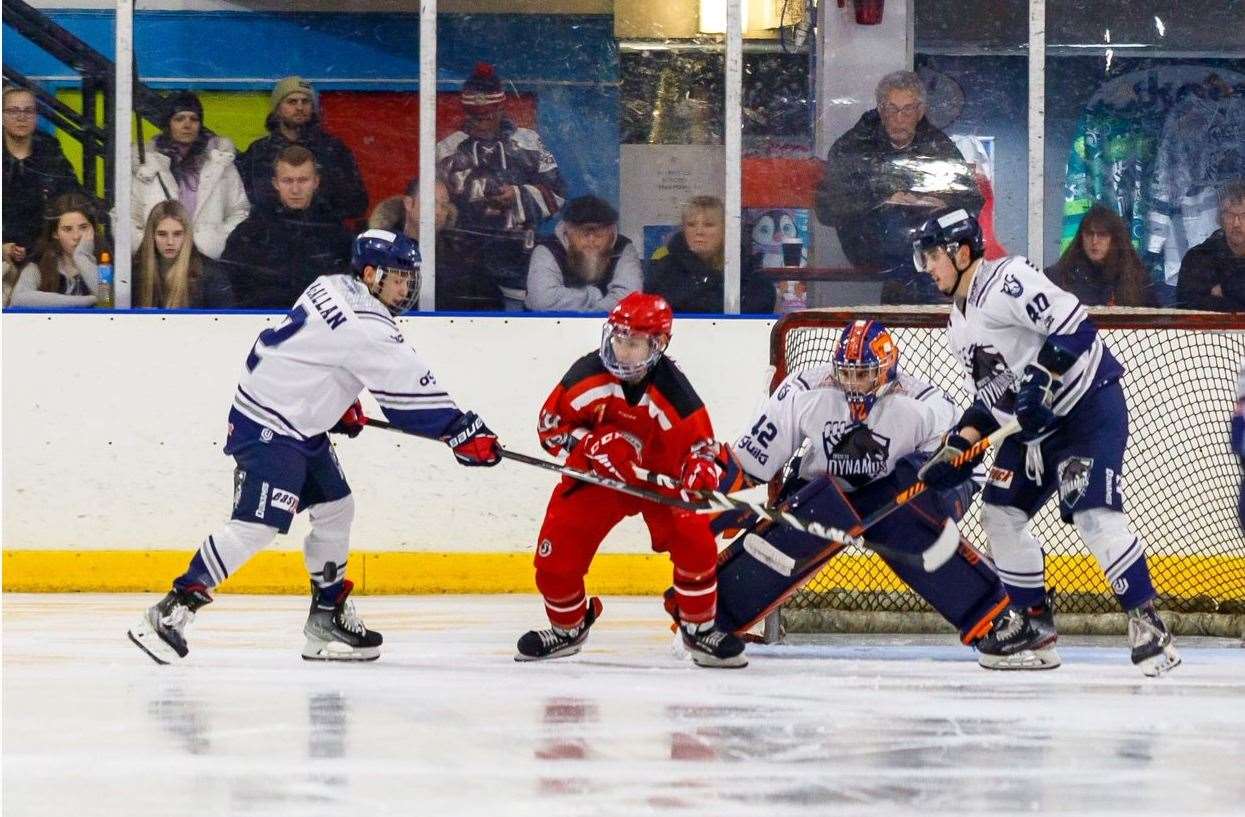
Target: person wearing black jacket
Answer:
[[295, 120], [1212, 274], [280, 249], [884, 176], [687, 272], [35, 172]]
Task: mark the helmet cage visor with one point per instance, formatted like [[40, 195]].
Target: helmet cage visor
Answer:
[[414, 281], [627, 354]]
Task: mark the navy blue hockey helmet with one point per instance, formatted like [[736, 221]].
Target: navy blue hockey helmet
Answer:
[[948, 228], [391, 254]]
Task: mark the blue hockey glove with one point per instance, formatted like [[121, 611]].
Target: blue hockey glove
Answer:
[[1238, 434], [1033, 400], [940, 471]]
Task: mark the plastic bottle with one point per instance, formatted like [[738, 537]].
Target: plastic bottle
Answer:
[[103, 292]]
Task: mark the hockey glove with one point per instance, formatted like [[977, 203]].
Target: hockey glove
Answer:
[[939, 472], [609, 453], [352, 422], [472, 442], [1033, 400], [701, 471]]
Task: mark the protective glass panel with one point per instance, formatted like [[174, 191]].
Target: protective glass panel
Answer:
[[58, 167]]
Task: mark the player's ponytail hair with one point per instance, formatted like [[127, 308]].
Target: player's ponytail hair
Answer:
[[157, 285]]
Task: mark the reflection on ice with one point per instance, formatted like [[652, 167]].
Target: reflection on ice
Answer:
[[446, 722]]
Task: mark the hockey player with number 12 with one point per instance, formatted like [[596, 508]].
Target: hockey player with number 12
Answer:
[[298, 380], [1030, 350]]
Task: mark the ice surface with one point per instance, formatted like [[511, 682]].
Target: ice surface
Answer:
[[447, 724]]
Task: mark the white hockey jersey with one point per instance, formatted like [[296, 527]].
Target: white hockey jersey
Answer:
[[909, 415], [337, 340], [1010, 311]]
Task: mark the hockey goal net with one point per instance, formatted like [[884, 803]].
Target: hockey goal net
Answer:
[[1182, 479]]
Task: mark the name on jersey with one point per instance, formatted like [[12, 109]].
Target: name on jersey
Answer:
[[319, 296]]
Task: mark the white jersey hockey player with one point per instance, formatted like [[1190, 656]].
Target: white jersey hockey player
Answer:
[[1030, 351], [300, 380], [865, 428]]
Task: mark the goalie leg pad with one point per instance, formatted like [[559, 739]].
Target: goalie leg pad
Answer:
[[751, 570], [966, 591]]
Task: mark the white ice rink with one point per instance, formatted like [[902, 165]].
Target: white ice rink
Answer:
[[447, 725]]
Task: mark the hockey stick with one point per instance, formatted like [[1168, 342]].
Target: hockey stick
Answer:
[[720, 502]]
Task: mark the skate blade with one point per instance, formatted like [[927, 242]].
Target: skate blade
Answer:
[[713, 662], [317, 650], [1164, 662], [1040, 659], [562, 653], [149, 641]]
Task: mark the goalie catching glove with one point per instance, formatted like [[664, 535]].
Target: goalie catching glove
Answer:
[[472, 442]]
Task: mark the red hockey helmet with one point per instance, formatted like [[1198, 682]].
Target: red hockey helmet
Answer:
[[635, 335]]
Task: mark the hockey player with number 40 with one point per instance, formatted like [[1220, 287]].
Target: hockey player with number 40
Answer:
[[1031, 351], [298, 380]]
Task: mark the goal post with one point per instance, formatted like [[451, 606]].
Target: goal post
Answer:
[[1181, 477]]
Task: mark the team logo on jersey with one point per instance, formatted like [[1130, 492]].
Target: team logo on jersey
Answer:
[[783, 392], [544, 548], [1074, 473], [990, 373], [1000, 477], [1012, 286], [1120, 586], [265, 435], [854, 451]]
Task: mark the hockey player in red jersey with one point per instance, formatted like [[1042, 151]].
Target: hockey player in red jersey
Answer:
[[621, 406]]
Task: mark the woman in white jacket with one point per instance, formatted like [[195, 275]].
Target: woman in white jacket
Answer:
[[188, 163]]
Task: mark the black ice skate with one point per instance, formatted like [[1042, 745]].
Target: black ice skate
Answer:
[[1020, 639], [161, 631], [712, 647], [336, 633], [539, 645], [1151, 642]]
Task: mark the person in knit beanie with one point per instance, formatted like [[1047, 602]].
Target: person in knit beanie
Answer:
[[294, 119], [503, 180]]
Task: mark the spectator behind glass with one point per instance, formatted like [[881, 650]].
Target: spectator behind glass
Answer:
[[169, 271], [62, 271], [585, 266], [503, 180], [1100, 266], [285, 245], [295, 120], [884, 176], [188, 163], [460, 287], [35, 172], [687, 272], [1212, 274]]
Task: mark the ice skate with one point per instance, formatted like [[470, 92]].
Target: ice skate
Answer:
[[1020, 639], [161, 632], [555, 642], [713, 647], [1151, 642], [337, 633]]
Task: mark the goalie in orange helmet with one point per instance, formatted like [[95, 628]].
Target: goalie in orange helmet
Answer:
[[623, 405]]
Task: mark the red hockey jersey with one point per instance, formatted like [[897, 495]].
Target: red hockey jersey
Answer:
[[662, 410]]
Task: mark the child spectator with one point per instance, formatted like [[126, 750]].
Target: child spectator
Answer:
[[62, 271]]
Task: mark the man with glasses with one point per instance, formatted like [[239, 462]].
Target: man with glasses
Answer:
[[35, 172], [882, 179], [1212, 274]]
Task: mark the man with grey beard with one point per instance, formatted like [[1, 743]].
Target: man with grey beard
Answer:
[[585, 266]]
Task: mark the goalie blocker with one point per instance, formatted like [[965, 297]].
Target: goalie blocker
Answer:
[[752, 570]]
